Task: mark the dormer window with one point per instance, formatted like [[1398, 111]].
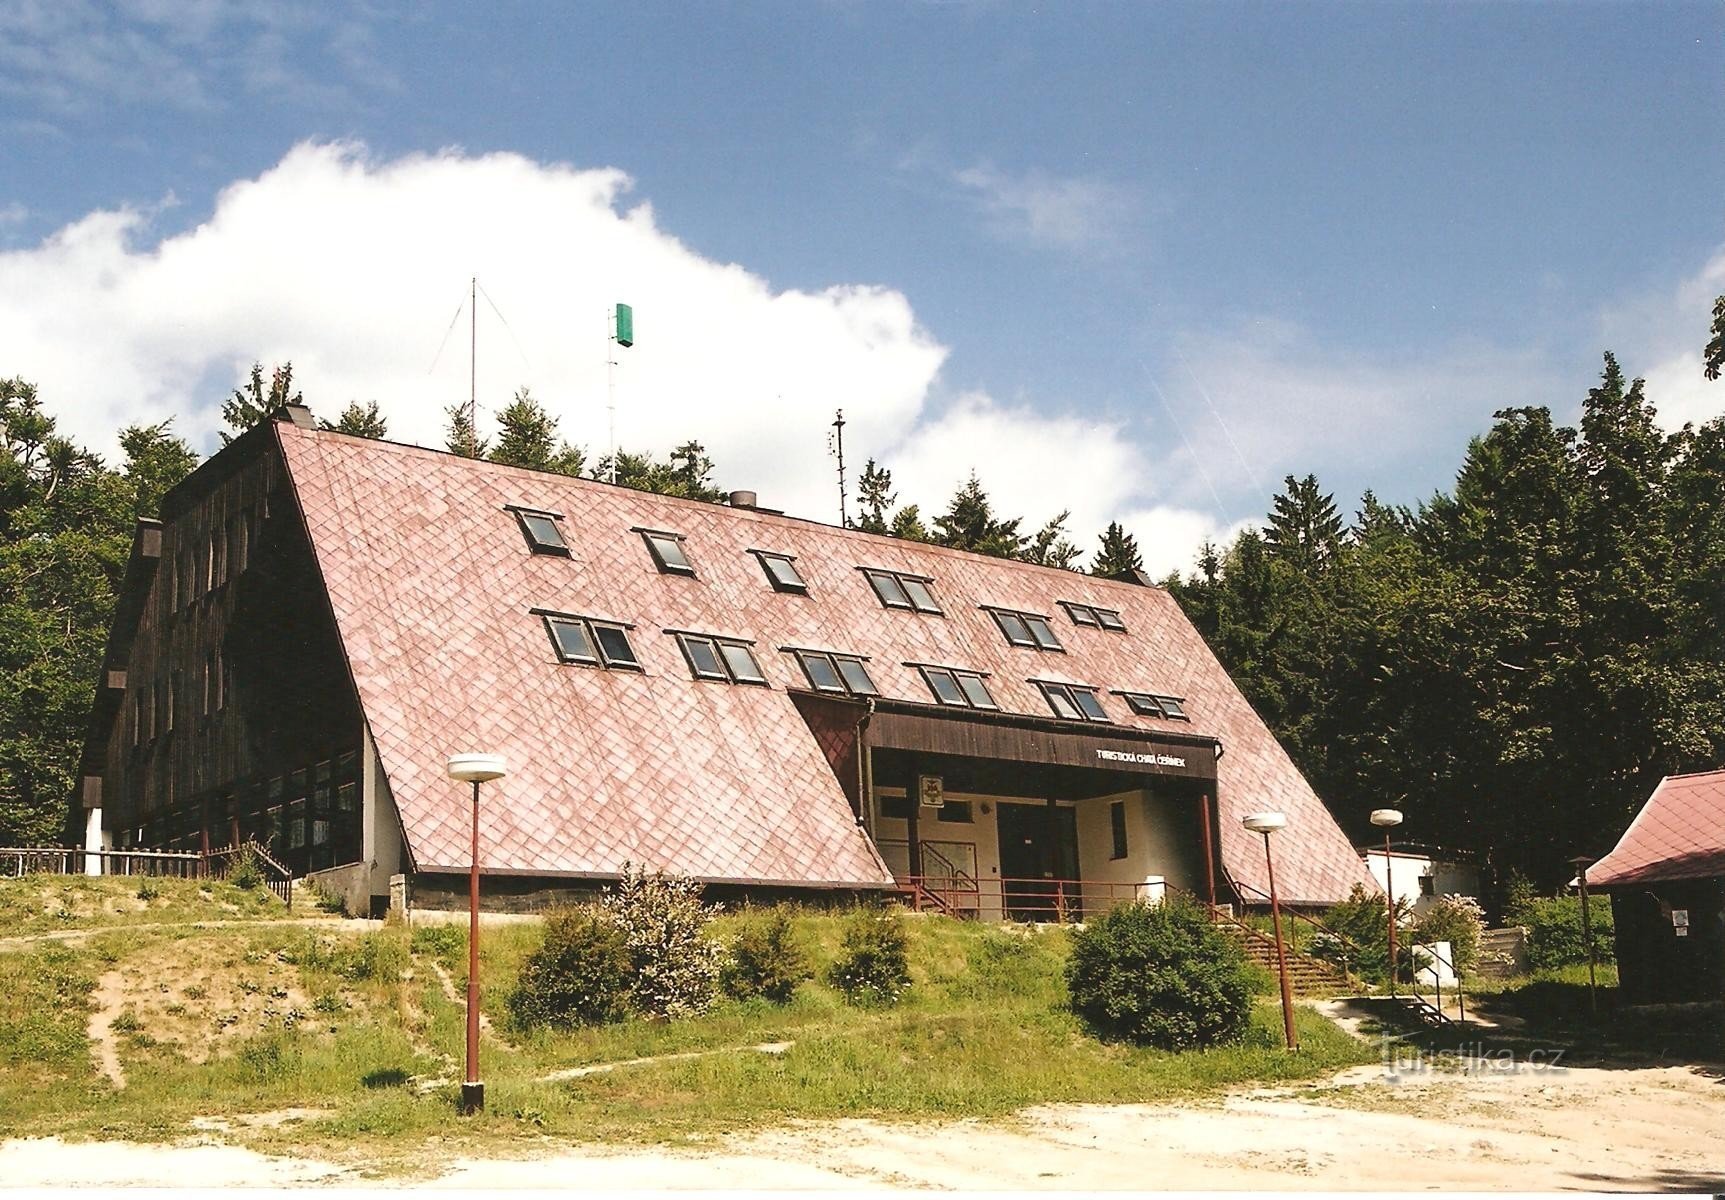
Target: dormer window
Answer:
[[956, 688], [1149, 704], [1096, 618], [896, 589], [591, 642], [1025, 629], [724, 660], [781, 571], [830, 672], [667, 551], [541, 529], [1072, 701]]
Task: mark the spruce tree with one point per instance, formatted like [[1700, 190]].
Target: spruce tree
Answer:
[[251, 404], [1119, 554], [359, 421]]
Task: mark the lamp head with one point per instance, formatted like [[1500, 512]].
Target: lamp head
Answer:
[[475, 768], [1386, 817], [1265, 822]]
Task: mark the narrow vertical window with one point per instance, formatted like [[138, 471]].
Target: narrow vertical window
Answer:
[[1117, 826]]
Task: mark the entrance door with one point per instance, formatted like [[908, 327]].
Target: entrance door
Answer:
[[1035, 850]]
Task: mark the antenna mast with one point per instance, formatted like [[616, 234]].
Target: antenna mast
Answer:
[[473, 357], [838, 443], [611, 382]]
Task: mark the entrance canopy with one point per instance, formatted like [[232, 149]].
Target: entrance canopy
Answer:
[[1017, 738]]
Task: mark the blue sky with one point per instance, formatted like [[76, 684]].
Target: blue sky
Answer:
[[1182, 249]]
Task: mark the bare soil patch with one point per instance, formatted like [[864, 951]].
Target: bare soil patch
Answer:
[[1531, 1130]]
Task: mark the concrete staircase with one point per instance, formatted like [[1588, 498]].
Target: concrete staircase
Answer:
[[1308, 976]]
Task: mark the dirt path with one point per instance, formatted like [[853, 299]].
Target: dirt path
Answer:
[[1531, 1130], [108, 997]]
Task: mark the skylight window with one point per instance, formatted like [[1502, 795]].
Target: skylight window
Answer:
[[956, 688], [540, 528], [667, 552], [781, 572], [829, 672], [724, 660], [899, 590], [1149, 704], [591, 642], [1071, 701], [1096, 618], [1026, 629]]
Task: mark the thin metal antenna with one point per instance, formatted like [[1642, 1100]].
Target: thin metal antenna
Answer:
[[611, 383], [839, 449], [473, 357]]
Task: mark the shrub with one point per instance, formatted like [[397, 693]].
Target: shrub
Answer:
[[1458, 920], [246, 871], [1160, 975], [1554, 932], [1518, 896], [766, 960], [872, 966], [674, 965], [1362, 921], [579, 975], [149, 890]]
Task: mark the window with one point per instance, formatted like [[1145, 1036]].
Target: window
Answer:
[[592, 642], [1072, 701], [1428, 885], [896, 808], [1096, 618], [726, 660], [898, 590], [955, 812], [960, 689], [543, 534], [667, 551], [1117, 826], [1148, 704], [829, 672], [1025, 629], [781, 571]]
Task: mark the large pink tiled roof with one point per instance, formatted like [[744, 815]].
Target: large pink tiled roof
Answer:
[[1678, 834], [432, 585]]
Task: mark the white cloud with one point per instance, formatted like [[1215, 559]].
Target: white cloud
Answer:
[[1046, 210], [1667, 329]]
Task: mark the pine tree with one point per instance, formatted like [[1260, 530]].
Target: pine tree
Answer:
[[527, 437], [875, 498], [1050, 547], [460, 436], [360, 421], [251, 405], [1305, 530], [969, 523], [1119, 554]]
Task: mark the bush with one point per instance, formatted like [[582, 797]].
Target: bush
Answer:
[[579, 975], [674, 964], [1458, 920], [766, 960], [872, 966], [1554, 932], [1160, 975], [149, 890], [1361, 919], [246, 871]]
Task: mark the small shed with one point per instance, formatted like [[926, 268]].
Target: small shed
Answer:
[[1420, 875], [1666, 879]]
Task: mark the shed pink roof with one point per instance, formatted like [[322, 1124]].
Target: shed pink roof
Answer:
[[1678, 834], [432, 586]]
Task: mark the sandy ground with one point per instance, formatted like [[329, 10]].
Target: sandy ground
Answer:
[[1522, 1130]]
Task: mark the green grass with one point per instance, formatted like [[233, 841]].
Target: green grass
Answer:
[[982, 1032], [37, 904]]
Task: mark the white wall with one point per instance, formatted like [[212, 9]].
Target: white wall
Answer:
[[1406, 868], [380, 825], [1162, 838]]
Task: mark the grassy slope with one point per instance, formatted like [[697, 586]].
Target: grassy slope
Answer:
[[295, 1018]]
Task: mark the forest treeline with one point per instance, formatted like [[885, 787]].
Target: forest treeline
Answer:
[[1514, 662]]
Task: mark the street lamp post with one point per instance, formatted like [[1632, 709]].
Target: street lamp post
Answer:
[[1387, 819], [475, 769], [1267, 823], [1581, 862]]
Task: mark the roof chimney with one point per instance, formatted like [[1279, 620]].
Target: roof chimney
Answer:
[[744, 500], [295, 414]]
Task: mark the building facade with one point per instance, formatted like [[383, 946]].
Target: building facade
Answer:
[[765, 703]]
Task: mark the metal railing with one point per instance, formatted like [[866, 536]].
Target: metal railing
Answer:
[[1435, 1003], [1028, 899]]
